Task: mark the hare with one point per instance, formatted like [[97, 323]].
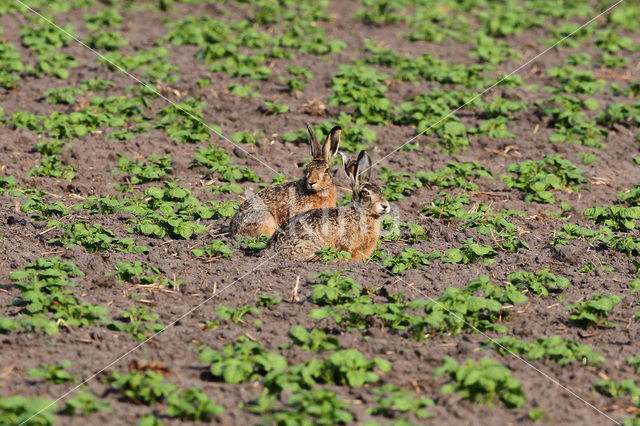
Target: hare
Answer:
[[264, 212], [354, 228]]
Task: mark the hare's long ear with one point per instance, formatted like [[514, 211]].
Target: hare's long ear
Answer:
[[351, 170], [316, 151], [364, 166], [330, 147]]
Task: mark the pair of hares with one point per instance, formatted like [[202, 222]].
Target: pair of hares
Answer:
[[302, 216]]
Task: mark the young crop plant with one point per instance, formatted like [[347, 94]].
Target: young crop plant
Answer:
[[538, 283], [482, 382], [275, 108], [94, 238], [362, 88], [47, 301], [41, 210], [408, 258], [571, 232], [154, 169], [218, 161], [63, 96], [53, 373], [594, 312], [309, 407], [622, 114], [630, 196], [105, 18], [616, 218], [489, 50], [397, 185], [137, 322], [46, 38], [192, 404], [153, 63], [574, 80], [477, 307], [51, 166], [241, 362], [84, 403], [537, 179], [457, 175], [619, 389], [380, 12], [17, 409], [248, 137], [391, 400], [556, 348], [217, 249], [236, 315], [332, 254], [106, 40], [10, 66], [409, 232], [142, 388], [145, 275], [470, 252], [315, 340]]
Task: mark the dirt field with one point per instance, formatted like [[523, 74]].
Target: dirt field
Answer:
[[97, 348]]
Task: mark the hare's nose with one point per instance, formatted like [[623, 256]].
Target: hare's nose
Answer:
[[385, 208]]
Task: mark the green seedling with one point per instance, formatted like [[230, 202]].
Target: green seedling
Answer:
[[84, 403], [275, 108], [330, 253], [481, 382], [192, 404], [137, 322], [313, 341], [18, 409], [236, 315], [154, 169], [556, 348], [538, 283], [537, 179], [217, 249], [594, 312], [470, 252], [391, 400], [143, 388], [53, 373]]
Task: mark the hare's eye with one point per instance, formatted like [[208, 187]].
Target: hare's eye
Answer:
[[364, 193], [326, 170]]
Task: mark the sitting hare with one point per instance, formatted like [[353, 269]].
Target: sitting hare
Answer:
[[354, 228], [268, 209]]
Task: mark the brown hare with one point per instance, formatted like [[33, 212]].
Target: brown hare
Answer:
[[354, 228], [264, 212]]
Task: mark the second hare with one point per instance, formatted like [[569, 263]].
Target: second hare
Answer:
[[264, 212], [354, 228]]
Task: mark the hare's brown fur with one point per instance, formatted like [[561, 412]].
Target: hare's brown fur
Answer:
[[264, 212], [354, 228]]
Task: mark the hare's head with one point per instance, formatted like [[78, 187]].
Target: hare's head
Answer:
[[318, 172], [365, 193]]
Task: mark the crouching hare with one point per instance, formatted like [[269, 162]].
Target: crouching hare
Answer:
[[354, 228], [268, 209]]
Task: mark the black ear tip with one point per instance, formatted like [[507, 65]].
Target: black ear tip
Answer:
[[336, 129]]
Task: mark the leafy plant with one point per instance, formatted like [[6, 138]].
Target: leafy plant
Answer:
[[311, 407], [140, 172], [537, 179], [137, 322], [53, 373], [143, 388], [85, 403], [275, 108], [192, 404], [595, 311], [408, 258], [314, 341], [330, 253], [481, 382], [556, 348], [18, 409], [244, 361], [538, 283], [51, 166], [470, 252], [93, 238], [236, 315], [214, 250], [391, 399]]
